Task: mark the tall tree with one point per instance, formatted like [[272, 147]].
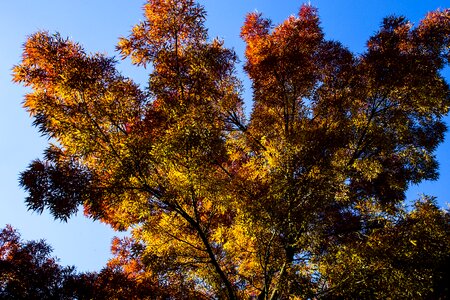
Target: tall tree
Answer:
[[338, 131], [228, 207]]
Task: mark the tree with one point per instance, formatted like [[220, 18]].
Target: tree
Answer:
[[233, 208], [28, 271]]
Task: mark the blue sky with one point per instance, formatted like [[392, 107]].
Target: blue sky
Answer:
[[97, 25]]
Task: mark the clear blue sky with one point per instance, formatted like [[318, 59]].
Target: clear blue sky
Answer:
[[97, 24]]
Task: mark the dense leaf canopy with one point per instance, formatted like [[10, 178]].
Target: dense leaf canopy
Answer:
[[28, 271], [302, 198]]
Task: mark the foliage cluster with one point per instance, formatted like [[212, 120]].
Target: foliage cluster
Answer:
[[302, 199]]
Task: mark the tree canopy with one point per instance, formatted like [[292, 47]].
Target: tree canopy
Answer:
[[28, 271], [302, 198]]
